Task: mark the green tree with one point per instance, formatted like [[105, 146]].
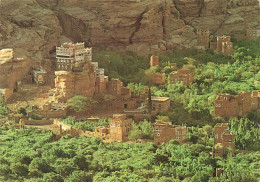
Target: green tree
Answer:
[[52, 177], [19, 169], [80, 102], [142, 130], [39, 164], [78, 176]]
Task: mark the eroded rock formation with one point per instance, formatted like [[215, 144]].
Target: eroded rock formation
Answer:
[[143, 26]]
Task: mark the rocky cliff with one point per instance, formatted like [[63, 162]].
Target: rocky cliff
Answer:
[[143, 26]]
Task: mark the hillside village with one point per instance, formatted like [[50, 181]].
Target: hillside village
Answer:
[[43, 99], [77, 74]]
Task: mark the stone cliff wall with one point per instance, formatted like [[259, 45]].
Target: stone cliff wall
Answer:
[[12, 71], [143, 26]]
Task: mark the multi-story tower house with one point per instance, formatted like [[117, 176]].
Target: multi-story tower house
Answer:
[[226, 106], [181, 75], [223, 139], [218, 130], [203, 39], [72, 56], [164, 132], [115, 86], [120, 127], [224, 45]]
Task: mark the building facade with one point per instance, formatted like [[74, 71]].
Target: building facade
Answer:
[[227, 105], [224, 45], [164, 132], [181, 75], [203, 39], [160, 104], [158, 78], [40, 77], [120, 127], [223, 139], [72, 56], [102, 132]]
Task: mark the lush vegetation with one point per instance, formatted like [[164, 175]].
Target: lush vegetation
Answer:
[[80, 102], [142, 130], [33, 155], [214, 74], [4, 110], [85, 125], [247, 133], [126, 66]]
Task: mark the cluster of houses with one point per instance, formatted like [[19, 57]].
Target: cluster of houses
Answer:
[[227, 105], [120, 127], [177, 75], [77, 74]]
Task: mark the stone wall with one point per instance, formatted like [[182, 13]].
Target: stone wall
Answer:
[[50, 113], [35, 122]]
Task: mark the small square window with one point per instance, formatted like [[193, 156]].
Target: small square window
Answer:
[[158, 134]]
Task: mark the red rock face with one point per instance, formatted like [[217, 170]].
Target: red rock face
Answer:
[[14, 70], [142, 26], [69, 84]]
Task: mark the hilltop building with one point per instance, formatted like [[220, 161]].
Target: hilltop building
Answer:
[[203, 39], [72, 56], [164, 132], [223, 44], [223, 139], [227, 105]]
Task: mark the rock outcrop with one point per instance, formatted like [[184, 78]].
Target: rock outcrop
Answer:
[[69, 84], [143, 26]]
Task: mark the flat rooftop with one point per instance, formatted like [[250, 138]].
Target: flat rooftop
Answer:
[[162, 99]]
